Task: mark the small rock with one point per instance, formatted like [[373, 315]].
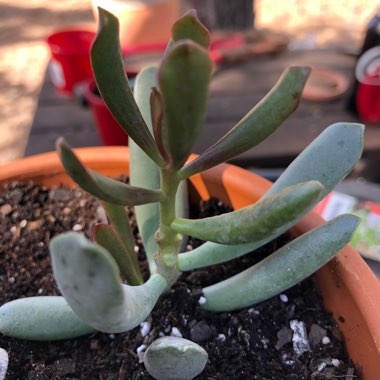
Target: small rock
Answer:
[[34, 225], [326, 340], [59, 195], [145, 328], [141, 352], [23, 223], [4, 359], [16, 195], [202, 300], [350, 374], [200, 332], [77, 227], [284, 298], [5, 209], [284, 336], [300, 341], [335, 362], [171, 358], [94, 344], [316, 334], [221, 338], [175, 332]]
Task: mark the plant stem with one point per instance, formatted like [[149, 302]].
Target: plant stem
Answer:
[[167, 239]]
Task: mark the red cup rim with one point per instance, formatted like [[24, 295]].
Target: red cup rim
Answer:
[[56, 48]]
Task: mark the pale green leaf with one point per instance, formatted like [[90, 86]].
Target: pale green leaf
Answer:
[[257, 125], [41, 318], [88, 277], [328, 159], [283, 269], [256, 222]]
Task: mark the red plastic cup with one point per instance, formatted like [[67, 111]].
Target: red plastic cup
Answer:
[[70, 63], [368, 101], [109, 130]]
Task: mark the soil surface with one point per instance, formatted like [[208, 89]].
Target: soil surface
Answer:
[[255, 343]]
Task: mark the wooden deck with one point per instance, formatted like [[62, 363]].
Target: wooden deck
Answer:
[[234, 90]]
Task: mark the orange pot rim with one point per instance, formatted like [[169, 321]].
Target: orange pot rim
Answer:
[[347, 272]]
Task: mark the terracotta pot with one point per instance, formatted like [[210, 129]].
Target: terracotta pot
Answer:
[[141, 21], [349, 288]]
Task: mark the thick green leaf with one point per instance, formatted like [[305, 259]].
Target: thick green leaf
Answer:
[[188, 27], [257, 125], [112, 82], [41, 318], [106, 236], [88, 277], [283, 269], [328, 159], [184, 78], [102, 187], [143, 171], [255, 222]]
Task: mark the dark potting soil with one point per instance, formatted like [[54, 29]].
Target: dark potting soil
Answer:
[[255, 343]]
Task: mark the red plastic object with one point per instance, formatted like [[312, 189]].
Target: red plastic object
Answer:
[[368, 100], [110, 131], [70, 63]]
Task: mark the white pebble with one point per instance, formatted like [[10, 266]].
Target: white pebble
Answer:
[[140, 352], [23, 223], [284, 298], [189, 247], [161, 334], [11, 280], [145, 328], [252, 310], [175, 332], [77, 227], [322, 366], [13, 229], [202, 300], [335, 362], [300, 340], [40, 291], [112, 336], [136, 248], [4, 359], [326, 340], [221, 337]]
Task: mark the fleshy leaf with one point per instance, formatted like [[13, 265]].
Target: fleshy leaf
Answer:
[[336, 151], [257, 125], [41, 318], [255, 222], [143, 171], [173, 358], [188, 27], [113, 85], [102, 187], [184, 78], [106, 236], [328, 159], [284, 268], [88, 277]]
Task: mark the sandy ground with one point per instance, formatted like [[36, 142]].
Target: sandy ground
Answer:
[[24, 24]]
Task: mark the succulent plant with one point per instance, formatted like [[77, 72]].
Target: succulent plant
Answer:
[[163, 118]]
